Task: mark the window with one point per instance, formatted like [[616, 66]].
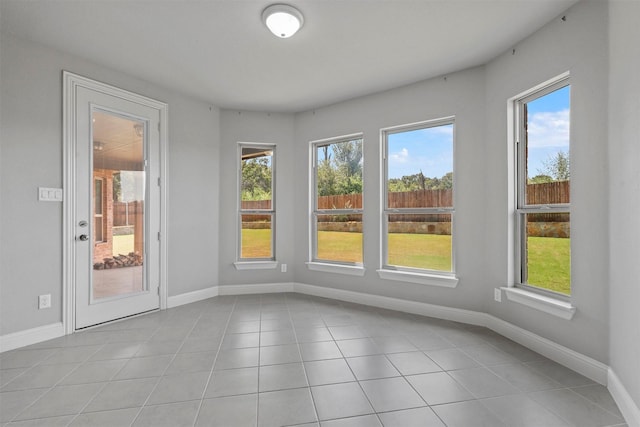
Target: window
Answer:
[[418, 198], [98, 214], [543, 188], [337, 201], [257, 203]]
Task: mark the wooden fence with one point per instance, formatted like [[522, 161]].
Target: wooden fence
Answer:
[[548, 193], [552, 192], [125, 213]]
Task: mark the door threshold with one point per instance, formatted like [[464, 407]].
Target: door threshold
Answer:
[[109, 322]]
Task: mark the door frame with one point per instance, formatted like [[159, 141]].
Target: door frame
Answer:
[[71, 83]]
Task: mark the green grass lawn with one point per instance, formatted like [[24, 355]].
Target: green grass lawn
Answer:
[[428, 251], [549, 258], [340, 246], [256, 243], [549, 263]]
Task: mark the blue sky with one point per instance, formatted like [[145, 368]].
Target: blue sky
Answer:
[[548, 128], [429, 150]]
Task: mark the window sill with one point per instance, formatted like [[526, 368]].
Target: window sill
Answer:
[[419, 278], [352, 270], [549, 305], [255, 265]]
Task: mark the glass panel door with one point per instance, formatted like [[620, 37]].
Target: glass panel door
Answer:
[[118, 202]]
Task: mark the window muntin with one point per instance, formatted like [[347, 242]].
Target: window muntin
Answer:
[[337, 201], [418, 197], [543, 202], [256, 211]]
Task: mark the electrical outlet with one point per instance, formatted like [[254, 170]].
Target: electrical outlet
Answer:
[[283, 268], [44, 301], [497, 294]]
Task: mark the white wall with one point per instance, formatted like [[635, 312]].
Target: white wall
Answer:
[[271, 128], [460, 95], [31, 149], [624, 190]]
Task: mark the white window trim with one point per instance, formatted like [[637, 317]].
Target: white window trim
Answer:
[[406, 274], [537, 298], [256, 263], [332, 267], [554, 306], [430, 279], [316, 264]]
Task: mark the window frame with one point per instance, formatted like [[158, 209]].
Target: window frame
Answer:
[[404, 273], [96, 214], [319, 264], [256, 263], [522, 208]]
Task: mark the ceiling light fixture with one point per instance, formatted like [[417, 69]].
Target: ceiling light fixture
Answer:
[[282, 20]]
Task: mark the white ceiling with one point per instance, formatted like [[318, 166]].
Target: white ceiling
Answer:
[[219, 50]]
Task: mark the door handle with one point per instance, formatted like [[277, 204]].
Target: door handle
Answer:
[[83, 237]]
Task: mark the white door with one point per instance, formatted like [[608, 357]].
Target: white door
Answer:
[[117, 207]]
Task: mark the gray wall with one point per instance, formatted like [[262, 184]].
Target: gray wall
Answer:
[[578, 45], [460, 95], [624, 190], [271, 128], [31, 150], [478, 98]]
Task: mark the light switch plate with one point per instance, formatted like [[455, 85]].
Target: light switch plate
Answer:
[[49, 194]]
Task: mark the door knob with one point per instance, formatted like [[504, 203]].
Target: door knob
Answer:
[[83, 237]]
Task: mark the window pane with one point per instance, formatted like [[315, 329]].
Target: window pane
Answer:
[[547, 148], [420, 241], [420, 168], [339, 173], [97, 196], [339, 238], [256, 236], [119, 175], [548, 251], [257, 178]]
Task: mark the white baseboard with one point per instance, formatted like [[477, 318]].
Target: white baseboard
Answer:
[[590, 368], [627, 406], [189, 297], [421, 308], [31, 336], [584, 365], [262, 288]]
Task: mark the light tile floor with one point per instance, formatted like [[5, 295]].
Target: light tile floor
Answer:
[[290, 359]]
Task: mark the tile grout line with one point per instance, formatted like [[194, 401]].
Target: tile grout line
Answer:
[[306, 377], [165, 369], [215, 359], [56, 383]]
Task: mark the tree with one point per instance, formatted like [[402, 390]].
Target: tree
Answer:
[[420, 182], [348, 157], [342, 172], [256, 179], [557, 167], [540, 179]]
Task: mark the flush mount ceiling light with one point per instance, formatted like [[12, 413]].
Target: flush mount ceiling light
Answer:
[[282, 20]]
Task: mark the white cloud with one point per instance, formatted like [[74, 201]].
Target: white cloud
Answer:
[[401, 156], [548, 129]]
